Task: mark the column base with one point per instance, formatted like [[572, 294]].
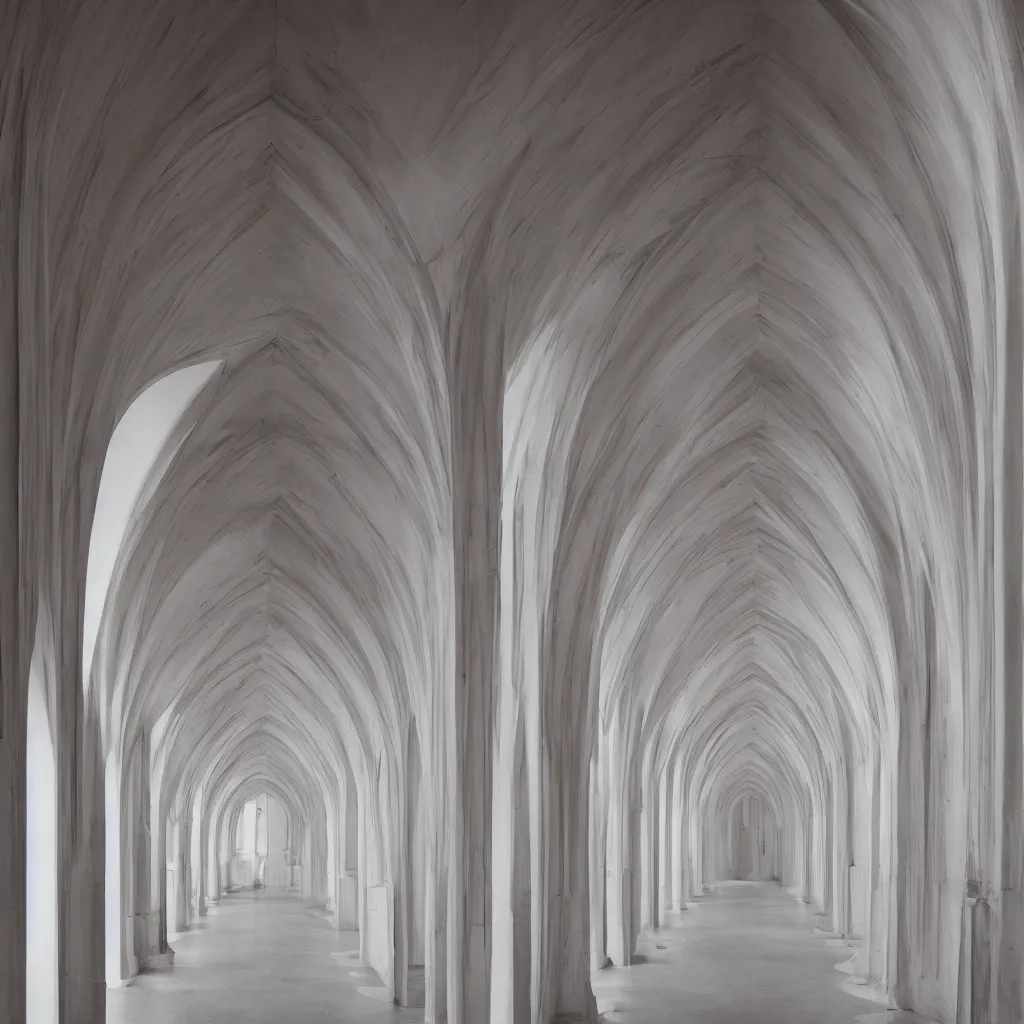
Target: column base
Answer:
[[157, 962], [873, 993]]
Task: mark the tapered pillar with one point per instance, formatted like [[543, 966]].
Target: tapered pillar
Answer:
[[666, 842], [18, 580], [840, 853], [80, 782], [142, 906], [476, 389], [598, 859], [13, 682], [506, 848], [348, 900], [198, 857], [558, 763], [1009, 582], [81, 871], [159, 911], [650, 847], [623, 819], [226, 841], [178, 912], [807, 839], [408, 867], [435, 954], [307, 884], [680, 816], [214, 858], [115, 965]]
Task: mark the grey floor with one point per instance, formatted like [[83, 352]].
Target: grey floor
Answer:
[[259, 958], [745, 956]]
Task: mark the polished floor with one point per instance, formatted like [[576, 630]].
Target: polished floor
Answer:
[[747, 955], [259, 958]]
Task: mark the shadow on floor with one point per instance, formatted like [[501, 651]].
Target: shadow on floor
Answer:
[[746, 955], [260, 958]]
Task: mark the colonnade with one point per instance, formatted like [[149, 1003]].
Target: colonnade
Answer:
[[533, 445]]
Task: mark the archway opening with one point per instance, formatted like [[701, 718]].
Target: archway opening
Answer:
[[753, 841], [261, 856], [138, 453]]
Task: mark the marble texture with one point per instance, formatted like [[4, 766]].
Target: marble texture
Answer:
[[614, 419]]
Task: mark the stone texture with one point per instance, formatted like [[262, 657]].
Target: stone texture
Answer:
[[265, 952], [746, 955], [596, 420]]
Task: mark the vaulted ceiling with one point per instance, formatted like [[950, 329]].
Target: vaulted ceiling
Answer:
[[741, 296]]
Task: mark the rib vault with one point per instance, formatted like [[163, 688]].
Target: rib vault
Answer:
[[534, 446]]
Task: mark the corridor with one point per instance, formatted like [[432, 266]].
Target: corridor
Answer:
[[262, 958], [746, 955], [495, 471]]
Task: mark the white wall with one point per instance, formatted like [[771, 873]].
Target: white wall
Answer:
[[41, 851], [268, 848], [133, 449], [753, 841], [276, 872]]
